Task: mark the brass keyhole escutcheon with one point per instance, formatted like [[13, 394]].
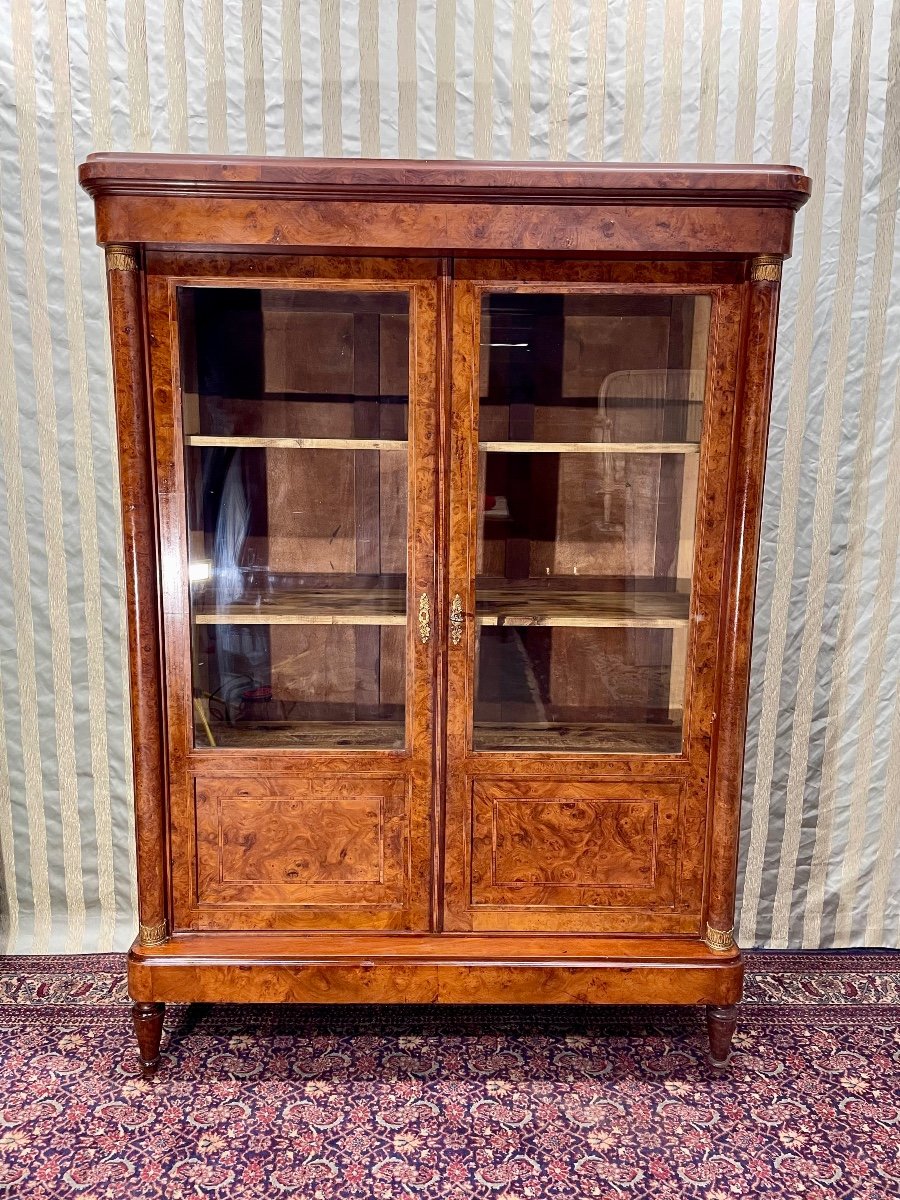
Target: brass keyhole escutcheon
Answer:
[[456, 620], [424, 619]]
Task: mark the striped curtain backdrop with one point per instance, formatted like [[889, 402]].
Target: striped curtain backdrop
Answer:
[[814, 82]]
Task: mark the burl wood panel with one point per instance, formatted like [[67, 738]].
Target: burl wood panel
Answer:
[[230, 265], [258, 981], [445, 228], [573, 843], [331, 841], [441, 208], [562, 844], [300, 842]]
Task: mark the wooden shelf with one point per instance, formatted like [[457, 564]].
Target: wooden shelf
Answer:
[[301, 735], [587, 738], [225, 441], [515, 606], [292, 443], [590, 447], [560, 607], [302, 606], [583, 738]]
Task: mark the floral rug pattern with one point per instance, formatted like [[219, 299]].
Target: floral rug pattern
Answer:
[[500, 1103]]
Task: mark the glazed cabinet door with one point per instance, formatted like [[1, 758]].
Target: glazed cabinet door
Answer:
[[591, 420], [294, 416]]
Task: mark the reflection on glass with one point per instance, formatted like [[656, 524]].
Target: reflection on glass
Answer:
[[295, 409], [589, 427]]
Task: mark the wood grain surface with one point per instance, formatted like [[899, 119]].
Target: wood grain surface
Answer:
[[142, 550], [332, 841], [560, 853]]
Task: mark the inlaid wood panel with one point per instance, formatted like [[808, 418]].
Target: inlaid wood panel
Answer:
[[564, 844], [573, 843], [331, 841]]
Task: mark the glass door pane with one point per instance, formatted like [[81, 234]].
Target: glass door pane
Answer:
[[295, 417], [590, 412]]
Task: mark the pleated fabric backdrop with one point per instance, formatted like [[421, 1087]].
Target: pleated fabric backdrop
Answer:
[[814, 82]]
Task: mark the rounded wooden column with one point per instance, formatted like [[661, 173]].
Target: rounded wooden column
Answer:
[[125, 283], [750, 434]]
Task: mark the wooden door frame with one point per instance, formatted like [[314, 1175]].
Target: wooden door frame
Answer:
[[413, 765], [724, 282]]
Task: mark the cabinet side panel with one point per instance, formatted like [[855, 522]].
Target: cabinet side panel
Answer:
[[125, 281], [745, 510]]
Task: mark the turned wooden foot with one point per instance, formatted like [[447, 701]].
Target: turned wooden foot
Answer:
[[721, 1024], [148, 1025]]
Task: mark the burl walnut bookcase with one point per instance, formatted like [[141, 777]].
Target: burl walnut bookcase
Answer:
[[441, 490]]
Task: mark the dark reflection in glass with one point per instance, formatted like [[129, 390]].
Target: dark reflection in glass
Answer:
[[295, 411], [589, 427]]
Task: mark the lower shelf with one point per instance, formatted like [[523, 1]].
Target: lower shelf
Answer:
[[433, 969], [585, 738], [302, 735]]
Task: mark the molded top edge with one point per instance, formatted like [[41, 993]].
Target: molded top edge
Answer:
[[422, 180]]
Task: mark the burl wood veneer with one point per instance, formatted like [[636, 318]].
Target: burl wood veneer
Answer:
[[441, 490]]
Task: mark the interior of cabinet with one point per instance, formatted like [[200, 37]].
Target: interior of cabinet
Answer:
[[295, 421], [295, 427], [589, 423]]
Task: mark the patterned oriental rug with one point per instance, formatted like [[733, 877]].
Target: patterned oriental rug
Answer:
[[410, 1102]]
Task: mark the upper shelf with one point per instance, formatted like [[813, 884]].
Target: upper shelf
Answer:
[[521, 606], [297, 443], [306, 606], [292, 443], [514, 605], [590, 447]]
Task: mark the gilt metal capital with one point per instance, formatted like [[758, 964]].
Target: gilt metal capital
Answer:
[[765, 268], [122, 258], [719, 939]]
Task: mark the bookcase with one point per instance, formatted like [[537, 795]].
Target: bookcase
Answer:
[[441, 487]]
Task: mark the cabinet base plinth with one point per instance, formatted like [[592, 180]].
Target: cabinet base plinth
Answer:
[[432, 969]]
